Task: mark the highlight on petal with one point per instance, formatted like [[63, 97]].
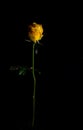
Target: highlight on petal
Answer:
[[35, 32]]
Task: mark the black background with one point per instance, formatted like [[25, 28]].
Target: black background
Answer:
[[58, 59]]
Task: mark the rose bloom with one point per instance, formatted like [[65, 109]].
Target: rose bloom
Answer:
[[35, 32]]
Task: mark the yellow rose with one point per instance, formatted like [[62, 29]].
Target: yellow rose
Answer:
[[35, 32]]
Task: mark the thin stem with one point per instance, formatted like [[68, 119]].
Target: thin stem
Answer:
[[34, 85]]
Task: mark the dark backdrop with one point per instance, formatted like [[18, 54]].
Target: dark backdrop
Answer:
[[57, 59]]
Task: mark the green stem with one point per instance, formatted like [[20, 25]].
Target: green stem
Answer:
[[34, 85]]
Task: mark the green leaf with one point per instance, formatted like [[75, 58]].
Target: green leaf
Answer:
[[22, 71]]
